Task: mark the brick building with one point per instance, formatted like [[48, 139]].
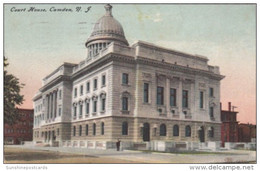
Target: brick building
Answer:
[[22, 130], [137, 93], [246, 132], [229, 127]]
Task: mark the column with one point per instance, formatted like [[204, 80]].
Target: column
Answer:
[[51, 104], [167, 91], [179, 97], [48, 106]]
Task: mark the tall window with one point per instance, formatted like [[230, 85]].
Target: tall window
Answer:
[[103, 104], [201, 99], [125, 128], [74, 130], [95, 84], [95, 106], [75, 92], [81, 90], [87, 129], [94, 129], [125, 103], [211, 92], [162, 130], [125, 78], [102, 128], [80, 130], [103, 80], [187, 131], [87, 107], [59, 111], [175, 130], [211, 112], [88, 86], [160, 95], [172, 97], [75, 111], [146, 92], [80, 109], [185, 98]]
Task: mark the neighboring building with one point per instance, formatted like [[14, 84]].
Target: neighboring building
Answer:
[[136, 93], [246, 132], [22, 130], [229, 127]]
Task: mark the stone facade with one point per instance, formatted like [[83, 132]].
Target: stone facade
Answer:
[[114, 94]]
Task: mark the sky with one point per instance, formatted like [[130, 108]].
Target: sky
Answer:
[[36, 43]]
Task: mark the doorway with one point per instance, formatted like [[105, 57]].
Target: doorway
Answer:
[[202, 134], [146, 132]]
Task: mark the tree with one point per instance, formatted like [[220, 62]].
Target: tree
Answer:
[[12, 96]]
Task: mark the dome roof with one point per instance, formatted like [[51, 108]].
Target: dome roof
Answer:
[[107, 28]]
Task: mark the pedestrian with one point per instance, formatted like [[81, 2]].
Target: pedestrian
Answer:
[[118, 145]]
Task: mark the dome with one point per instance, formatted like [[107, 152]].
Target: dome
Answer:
[[107, 28]]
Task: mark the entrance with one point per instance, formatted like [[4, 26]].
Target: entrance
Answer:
[[146, 132], [202, 134]]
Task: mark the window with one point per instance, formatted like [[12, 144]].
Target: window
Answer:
[[94, 129], [87, 107], [59, 111], [59, 94], [162, 130], [75, 92], [201, 99], [146, 92], [211, 92], [103, 104], [103, 80], [74, 131], [124, 128], [187, 131], [95, 106], [175, 130], [102, 128], [211, 132], [88, 86], [125, 78], [95, 84], [58, 132], [159, 95], [75, 111], [185, 98], [80, 109], [211, 112], [172, 97], [125, 103], [81, 90], [87, 129], [80, 130]]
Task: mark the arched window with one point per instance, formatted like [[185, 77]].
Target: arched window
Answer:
[[187, 131], [162, 130], [125, 128], [94, 129], [87, 129], [211, 132], [175, 130], [74, 130], [80, 130], [102, 128]]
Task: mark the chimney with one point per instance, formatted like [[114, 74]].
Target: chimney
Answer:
[[229, 106]]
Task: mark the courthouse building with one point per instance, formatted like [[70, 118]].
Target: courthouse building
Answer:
[[139, 93]]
